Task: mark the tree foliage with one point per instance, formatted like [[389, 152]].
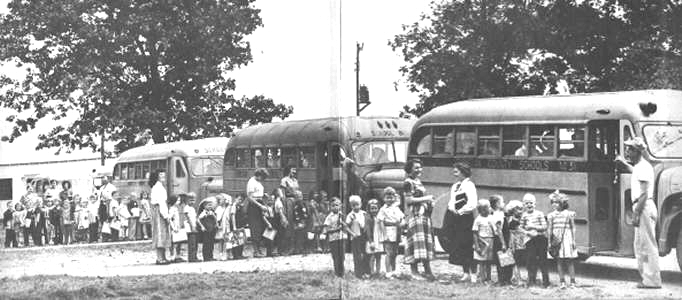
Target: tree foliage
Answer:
[[128, 67], [468, 49]]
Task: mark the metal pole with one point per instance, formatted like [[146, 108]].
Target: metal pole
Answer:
[[358, 48], [102, 146]]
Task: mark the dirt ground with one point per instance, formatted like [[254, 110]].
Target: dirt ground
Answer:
[[126, 271]]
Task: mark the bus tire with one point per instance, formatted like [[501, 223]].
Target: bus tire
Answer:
[[678, 249]]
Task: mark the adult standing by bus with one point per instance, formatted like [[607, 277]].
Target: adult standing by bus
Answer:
[[254, 194], [419, 205], [160, 225], [460, 219], [289, 186], [644, 213]]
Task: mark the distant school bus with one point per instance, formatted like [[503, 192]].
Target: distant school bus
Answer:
[[191, 166], [538, 144], [376, 148]]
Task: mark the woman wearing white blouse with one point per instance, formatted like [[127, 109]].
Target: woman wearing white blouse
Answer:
[[160, 224], [461, 207]]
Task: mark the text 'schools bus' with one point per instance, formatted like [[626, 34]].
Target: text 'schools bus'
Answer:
[[373, 149], [538, 144], [191, 166]]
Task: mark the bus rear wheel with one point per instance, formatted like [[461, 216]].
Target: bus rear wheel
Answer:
[[678, 249]]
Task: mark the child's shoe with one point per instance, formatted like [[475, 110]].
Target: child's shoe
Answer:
[[465, 277], [474, 278]]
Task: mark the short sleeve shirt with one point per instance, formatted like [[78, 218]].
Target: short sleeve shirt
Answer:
[[254, 188], [642, 171], [334, 220], [484, 226]]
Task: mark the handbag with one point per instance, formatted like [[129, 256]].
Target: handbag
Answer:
[[506, 258], [269, 234], [106, 229], [179, 236]]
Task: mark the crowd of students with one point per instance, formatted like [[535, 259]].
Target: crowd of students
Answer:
[[50, 213]]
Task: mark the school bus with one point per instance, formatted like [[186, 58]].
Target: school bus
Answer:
[[191, 166], [538, 144], [341, 155]]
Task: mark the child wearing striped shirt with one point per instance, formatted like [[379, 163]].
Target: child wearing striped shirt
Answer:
[[534, 224]]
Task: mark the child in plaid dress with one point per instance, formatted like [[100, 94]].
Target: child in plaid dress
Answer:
[[561, 228]]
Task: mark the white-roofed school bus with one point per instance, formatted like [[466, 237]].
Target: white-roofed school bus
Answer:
[[538, 144], [190, 166], [340, 155]]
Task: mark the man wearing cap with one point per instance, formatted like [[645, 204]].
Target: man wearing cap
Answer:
[[644, 212]]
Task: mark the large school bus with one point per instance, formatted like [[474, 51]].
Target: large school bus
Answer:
[[538, 144], [191, 166], [341, 155]]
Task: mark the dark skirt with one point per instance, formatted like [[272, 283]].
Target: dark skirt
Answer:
[[461, 239], [256, 224]]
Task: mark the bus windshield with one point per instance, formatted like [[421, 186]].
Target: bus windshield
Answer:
[[207, 166], [665, 141], [379, 152]]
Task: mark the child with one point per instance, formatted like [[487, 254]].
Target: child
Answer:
[[8, 222], [356, 221], [208, 224], [561, 228], [82, 221], [20, 222], [145, 216], [374, 245], [389, 218], [50, 234], [134, 220], [534, 225], [485, 233], [323, 209], [93, 230], [68, 220], [514, 237], [301, 216], [190, 224], [315, 221], [123, 217], [272, 222], [335, 229], [177, 226], [223, 216], [498, 218], [239, 221]]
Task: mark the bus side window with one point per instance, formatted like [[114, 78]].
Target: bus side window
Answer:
[[542, 141], [117, 172], [489, 140], [273, 158], [258, 158], [603, 142], [289, 157], [444, 141], [423, 142], [307, 157], [124, 171], [179, 169], [465, 141], [514, 141], [571, 141], [243, 158], [230, 158], [145, 170]]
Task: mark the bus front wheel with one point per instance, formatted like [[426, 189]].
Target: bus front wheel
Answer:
[[678, 249]]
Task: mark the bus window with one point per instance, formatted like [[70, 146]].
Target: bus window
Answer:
[[514, 141], [289, 157], [179, 170], [465, 141], [664, 140], [489, 140], [206, 166], [117, 172], [423, 140], [124, 171], [243, 158], [571, 142], [138, 170], [274, 158], [603, 142], [307, 157], [258, 158], [443, 141], [145, 170], [542, 141], [230, 158], [131, 171]]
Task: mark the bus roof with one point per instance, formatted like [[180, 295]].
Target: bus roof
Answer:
[[575, 108], [298, 132], [192, 148]]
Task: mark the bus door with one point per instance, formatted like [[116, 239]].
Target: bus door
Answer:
[[331, 172], [603, 195], [178, 178], [626, 231]]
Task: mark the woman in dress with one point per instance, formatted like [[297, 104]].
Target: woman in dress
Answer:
[[419, 237], [160, 226], [461, 207]]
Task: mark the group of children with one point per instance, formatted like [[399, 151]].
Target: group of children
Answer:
[[45, 219], [503, 235]]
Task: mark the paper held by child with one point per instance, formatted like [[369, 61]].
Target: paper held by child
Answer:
[[270, 234]]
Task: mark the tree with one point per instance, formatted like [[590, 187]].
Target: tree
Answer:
[[128, 67], [468, 49]]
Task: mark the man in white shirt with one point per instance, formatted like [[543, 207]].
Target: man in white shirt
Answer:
[[106, 189], [644, 214]]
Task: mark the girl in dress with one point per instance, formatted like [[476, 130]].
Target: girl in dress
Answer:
[[389, 220], [223, 216], [485, 233], [516, 236], [561, 228], [374, 245]]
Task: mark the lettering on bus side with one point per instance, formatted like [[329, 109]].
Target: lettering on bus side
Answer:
[[524, 165], [381, 133]]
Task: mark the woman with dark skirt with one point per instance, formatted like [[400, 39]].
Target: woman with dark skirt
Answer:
[[459, 220], [255, 209], [419, 246]]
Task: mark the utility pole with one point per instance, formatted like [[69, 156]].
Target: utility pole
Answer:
[[361, 91]]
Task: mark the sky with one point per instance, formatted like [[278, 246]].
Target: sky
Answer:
[[303, 56]]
